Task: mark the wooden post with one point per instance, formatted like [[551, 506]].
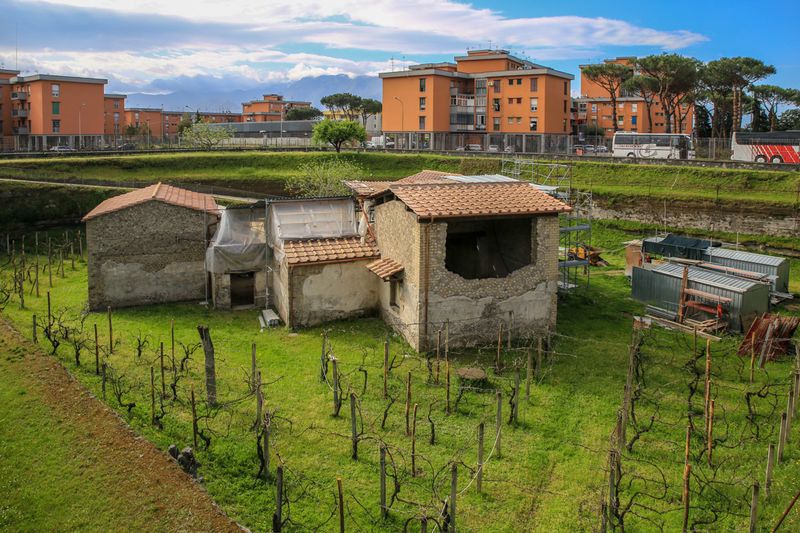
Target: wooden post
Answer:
[[385, 368], [754, 509], [705, 409], [353, 427], [335, 387], [96, 352], [423, 525], [788, 415], [163, 380], [479, 479], [104, 381], [408, 403], [499, 421], [72, 255], [253, 369], [265, 449], [687, 470], [752, 357], [414, 443], [210, 369], [528, 376], [438, 350], [384, 510], [539, 361], [781, 437], [152, 396], [499, 345], [688, 440], [35, 340], [453, 492], [515, 414], [682, 299], [277, 518], [341, 505], [710, 436], [447, 387], [110, 332], [770, 466], [628, 386], [194, 422]]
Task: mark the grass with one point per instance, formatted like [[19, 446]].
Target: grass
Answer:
[[264, 172], [550, 474]]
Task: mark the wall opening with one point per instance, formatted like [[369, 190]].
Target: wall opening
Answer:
[[488, 248], [242, 289], [395, 288]]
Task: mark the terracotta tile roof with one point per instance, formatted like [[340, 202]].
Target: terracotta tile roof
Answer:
[[385, 268], [372, 188], [332, 250], [448, 200], [160, 192]]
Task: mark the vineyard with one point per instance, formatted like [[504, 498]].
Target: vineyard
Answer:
[[611, 424]]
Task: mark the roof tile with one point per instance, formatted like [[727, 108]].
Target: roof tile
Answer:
[[331, 250], [385, 268], [160, 192]]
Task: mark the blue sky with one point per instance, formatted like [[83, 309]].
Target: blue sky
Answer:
[[156, 47]]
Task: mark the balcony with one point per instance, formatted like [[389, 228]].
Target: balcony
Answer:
[[19, 113], [20, 130], [19, 95]]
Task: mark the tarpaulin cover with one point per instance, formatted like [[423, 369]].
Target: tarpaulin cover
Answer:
[[311, 219], [240, 243], [673, 246]]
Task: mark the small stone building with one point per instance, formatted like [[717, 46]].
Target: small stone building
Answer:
[[148, 246], [462, 253]]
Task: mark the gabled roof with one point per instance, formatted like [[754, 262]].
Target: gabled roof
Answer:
[[332, 250], [450, 200], [372, 188], [159, 192], [385, 268]]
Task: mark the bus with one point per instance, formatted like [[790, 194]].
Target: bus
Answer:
[[772, 146], [653, 145]]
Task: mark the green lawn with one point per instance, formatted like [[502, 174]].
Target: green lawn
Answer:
[[551, 472]]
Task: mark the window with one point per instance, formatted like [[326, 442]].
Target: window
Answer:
[[565, 106], [56, 126], [519, 120], [620, 106], [56, 108], [519, 81], [116, 129], [620, 120], [510, 81], [422, 85], [510, 100], [136, 116], [534, 104], [489, 248], [510, 120], [565, 124], [534, 85], [422, 103], [519, 100], [395, 292], [422, 123], [496, 104], [634, 107], [55, 90], [566, 87], [496, 85], [594, 108], [633, 120], [534, 124], [116, 104], [582, 107], [496, 123]]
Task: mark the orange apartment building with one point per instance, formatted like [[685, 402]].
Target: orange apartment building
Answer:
[[42, 111], [594, 107], [164, 123], [114, 114], [489, 97], [271, 108]]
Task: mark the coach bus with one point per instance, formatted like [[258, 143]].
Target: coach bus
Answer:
[[653, 145], [772, 146]]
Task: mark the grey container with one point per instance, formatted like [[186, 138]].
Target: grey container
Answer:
[[661, 286], [763, 264]]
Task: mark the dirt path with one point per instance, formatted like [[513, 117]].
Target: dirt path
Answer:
[[67, 462]]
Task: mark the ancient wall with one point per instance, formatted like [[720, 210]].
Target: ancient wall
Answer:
[[148, 253]]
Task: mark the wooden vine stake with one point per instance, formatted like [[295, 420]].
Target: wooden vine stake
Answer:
[[163, 380], [384, 510], [414, 443], [438, 350], [194, 421], [710, 437], [752, 358], [277, 518], [447, 387], [453, 493], [754, 509], [354, 430], [499, 365], [499, 421], [341, 505], [687, 470], [479, 479], [781, 437], [770, 466]]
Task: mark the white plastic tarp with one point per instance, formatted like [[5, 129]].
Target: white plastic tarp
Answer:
[[239, 245], [311, 219]]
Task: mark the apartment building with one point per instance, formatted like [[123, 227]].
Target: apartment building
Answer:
[[165, 123], [114, 114], [42, 111], [486, 93], [594, 107], [271, 108]]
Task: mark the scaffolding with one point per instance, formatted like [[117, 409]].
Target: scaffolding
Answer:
[[575, 227]]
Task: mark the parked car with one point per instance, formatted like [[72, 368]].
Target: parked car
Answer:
[[62, 149], [508, 149], [473, 147], [493, 148], [588, 149], [127, 146], [368, 144], [601, 148]]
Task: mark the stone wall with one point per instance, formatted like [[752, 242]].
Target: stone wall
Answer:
[[221, 290], [147, 253]]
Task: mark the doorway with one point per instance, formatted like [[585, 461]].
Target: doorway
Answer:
[[242, 289]]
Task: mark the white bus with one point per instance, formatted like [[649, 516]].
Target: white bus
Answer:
[[772, 146], [653, 145]]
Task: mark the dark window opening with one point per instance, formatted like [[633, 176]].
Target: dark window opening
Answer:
[[395, 286], [242, 289], [488, 249]]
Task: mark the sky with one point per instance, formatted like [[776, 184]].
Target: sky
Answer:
[[223, 50]]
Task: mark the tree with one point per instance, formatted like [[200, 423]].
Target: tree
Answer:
[[789, 120], [368, 108], [207, 135], [185, 123], [737, 73], [676, 83], [773, 96], [338, 133], [610, 77], [345, 103], [702, 121], [324, 178], [303, 113], [646, 88], [141, 129]]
